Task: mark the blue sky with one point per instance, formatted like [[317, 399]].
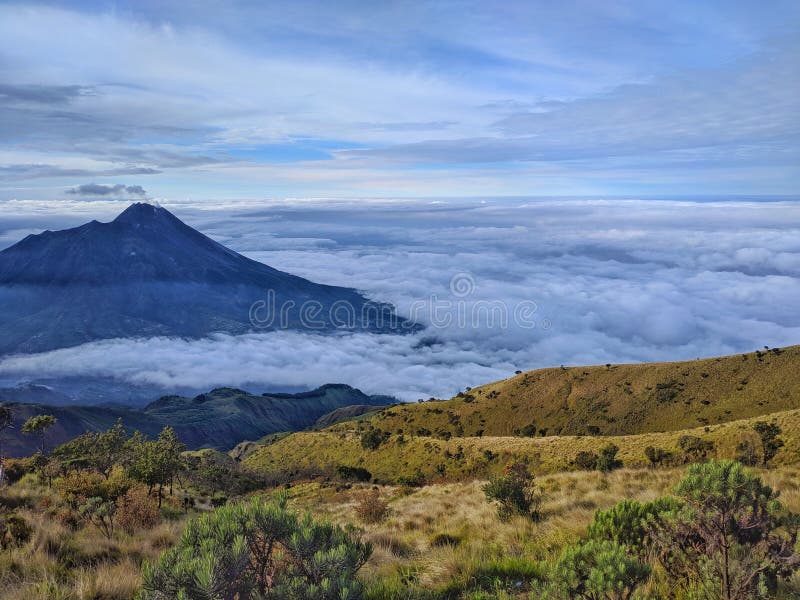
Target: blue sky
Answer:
[[234, 100]]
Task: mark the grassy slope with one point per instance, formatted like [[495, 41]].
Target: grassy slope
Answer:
[[622, 399], [403, 458]]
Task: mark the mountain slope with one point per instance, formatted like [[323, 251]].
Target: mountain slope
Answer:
[[147, 273], [611, 400], [220, 418]]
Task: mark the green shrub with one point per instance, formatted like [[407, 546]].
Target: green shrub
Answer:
[[258, 549], [371, 508], [353, 473], [515, 492], [607, 460], [14, 530], [595, 570], [373, 438], [628, 522], [657, 456], [770, 442]]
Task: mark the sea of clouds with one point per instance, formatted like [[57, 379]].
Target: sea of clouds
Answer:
[[601, 281]]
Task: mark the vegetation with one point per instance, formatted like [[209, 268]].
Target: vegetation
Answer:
[[38, 426], [515, 492]]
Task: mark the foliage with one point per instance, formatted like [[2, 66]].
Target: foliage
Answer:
[[14, 530], [515, 492], [695, 448], [373, 438], [99, 451], [371, 508], [78, 485], [628, 522], [586, 461], [730, 538], [657, 456], [353, 473], [770, 442], [258, 549], [155, 462], [100, 513], [596, 570], [607, 460], [747, 453], [39, 425], [137, 510]]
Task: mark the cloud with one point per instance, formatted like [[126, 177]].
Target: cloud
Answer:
[[118, 190], [612, 281]]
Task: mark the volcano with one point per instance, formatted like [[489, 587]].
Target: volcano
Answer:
[[146, 273]]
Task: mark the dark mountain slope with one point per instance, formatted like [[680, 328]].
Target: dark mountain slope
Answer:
[[147, 273], [220, 418]]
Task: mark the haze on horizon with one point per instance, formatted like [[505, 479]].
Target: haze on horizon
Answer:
[[148, 99]]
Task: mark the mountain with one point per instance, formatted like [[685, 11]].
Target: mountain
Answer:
[[613, 399], [219, 419], [147, 273]]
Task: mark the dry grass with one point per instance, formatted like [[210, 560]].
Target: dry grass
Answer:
[[468, 458], [616, 400]]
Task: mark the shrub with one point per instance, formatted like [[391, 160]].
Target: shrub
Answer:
[[371, 508], [607, 461], [747, 453], [515, 492], [657, 456], [353, 473], [100, 513], [629, 522], [695, 448], [730, 539], [258, 549], [373, 438], [445, 539], [586, 461], [137, 510], [14, 530], [770, 442], [596, 570]]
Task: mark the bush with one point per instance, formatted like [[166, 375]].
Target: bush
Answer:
[[657, 456], [695, 448], [137, 510], [607, 460], [586, 461], [373, 438], [596, 570], [257, 549], [628, 522], [445, 539], [100, 513], [14, 530], [515, 492], [371, 508], [353, 473], [730, 539], [770, 442]]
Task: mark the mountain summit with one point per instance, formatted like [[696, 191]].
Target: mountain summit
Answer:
[[147, 273]]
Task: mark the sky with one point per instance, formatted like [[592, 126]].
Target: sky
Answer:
[[273, 100], [600, 281]]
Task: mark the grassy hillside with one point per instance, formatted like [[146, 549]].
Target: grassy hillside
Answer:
[[407, 456], [611, 399]]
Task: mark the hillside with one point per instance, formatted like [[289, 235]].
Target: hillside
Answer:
[[611, 400], [220, 418], [402, 458]]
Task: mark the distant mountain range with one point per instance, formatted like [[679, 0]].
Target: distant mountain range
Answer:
[[218, 419], [147, 273]]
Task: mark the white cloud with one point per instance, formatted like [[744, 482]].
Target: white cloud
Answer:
[[617, 281]]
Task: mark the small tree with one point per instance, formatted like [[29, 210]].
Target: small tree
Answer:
[[657, 456], [747, 453], [585, 460], [39, 425], [770, 442], [100, 513], [516, 493], [730, 539], [258, 550], [628, 522], [695, 449], [607, 460]]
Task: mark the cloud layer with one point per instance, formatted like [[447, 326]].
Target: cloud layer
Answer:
[[611, 281]]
